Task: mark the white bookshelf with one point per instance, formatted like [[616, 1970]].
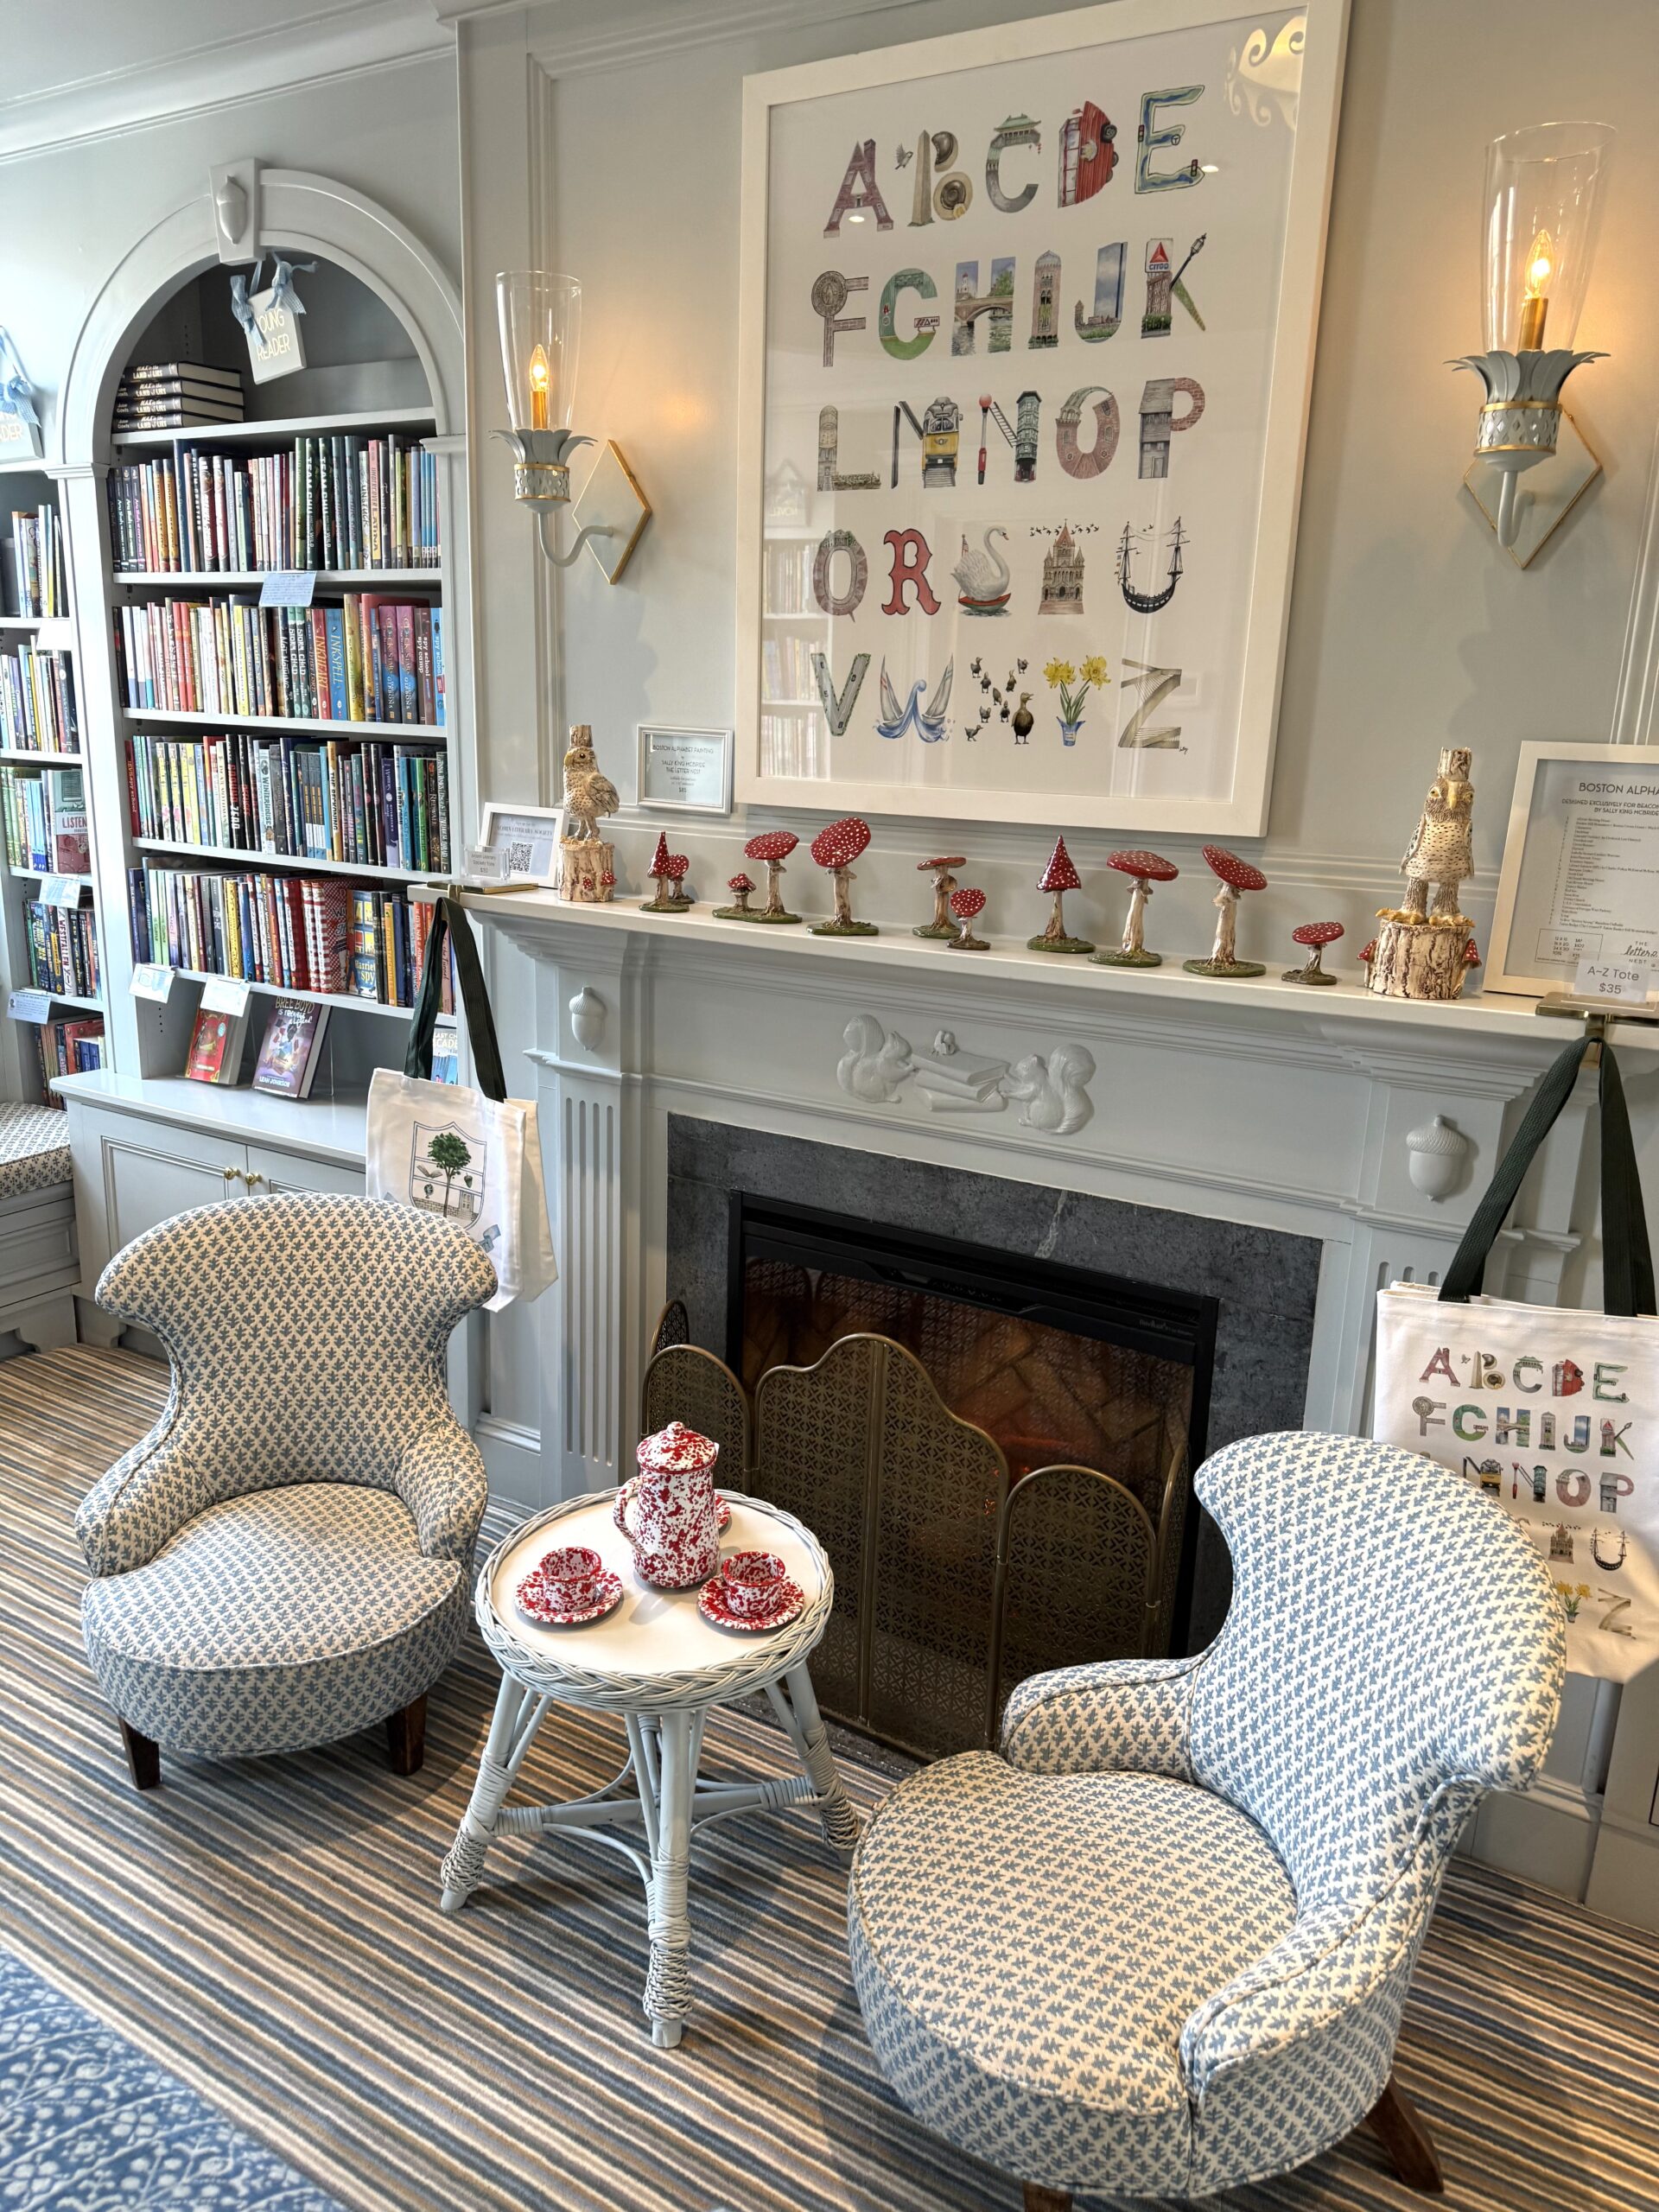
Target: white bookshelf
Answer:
[[297, 725], [365, 422]]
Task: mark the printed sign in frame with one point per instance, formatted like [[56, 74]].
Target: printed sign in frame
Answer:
[[1031, 312]]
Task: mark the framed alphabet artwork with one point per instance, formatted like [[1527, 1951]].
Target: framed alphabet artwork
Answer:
[[1028, 313]]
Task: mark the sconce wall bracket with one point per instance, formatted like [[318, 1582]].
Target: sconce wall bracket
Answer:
[[611, 513], [1522, 417]]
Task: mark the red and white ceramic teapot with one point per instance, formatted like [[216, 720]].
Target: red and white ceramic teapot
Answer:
[[668, 1511]]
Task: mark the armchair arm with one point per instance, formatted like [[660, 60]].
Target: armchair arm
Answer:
[[1124, 1715], [440, 1479], [146, 1497]]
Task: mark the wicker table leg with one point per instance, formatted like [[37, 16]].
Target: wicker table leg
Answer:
[[668, 1976], [463, 1867], [795, 1704]]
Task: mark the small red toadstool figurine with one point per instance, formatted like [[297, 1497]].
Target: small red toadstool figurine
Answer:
[[739, 885], [943, 884], [1234, 875], [966, 904], [1057, 878], [836, 849], [1147, 868], [1315, 935], [773, 847], [666, 870]]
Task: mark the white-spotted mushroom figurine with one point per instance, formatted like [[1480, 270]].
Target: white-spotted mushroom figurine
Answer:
[[967, 904], [667, 871], [1057, 878], [741, 886], [835, 850], [771, 848], [1234, 876], [1315, 935], [1145, 868], [943, 884]]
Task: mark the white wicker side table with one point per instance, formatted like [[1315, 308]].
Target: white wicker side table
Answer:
[[656, 1663]]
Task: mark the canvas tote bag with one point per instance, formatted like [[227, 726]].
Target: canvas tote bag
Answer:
[[473, 1156], [1552, 1412]]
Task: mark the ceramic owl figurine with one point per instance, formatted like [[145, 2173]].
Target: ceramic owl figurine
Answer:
[[587, 794], [1440, 852]]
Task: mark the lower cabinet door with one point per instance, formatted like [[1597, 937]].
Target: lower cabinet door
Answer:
[[270, 1171], [153, 1170]]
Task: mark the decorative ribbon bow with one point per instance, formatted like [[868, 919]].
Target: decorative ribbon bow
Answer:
[[282, 295], [16, 393]]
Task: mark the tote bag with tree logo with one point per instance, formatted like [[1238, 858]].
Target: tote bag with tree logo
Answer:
[[1551, 1411], [473, 1156]]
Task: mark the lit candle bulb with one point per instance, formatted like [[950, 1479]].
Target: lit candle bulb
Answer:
[[1536, 306], [540, 377]]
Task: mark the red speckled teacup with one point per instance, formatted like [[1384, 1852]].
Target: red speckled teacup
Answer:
[[751, 1583]]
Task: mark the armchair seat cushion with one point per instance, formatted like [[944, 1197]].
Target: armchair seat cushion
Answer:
[[1028, 1949], [285, 1617]]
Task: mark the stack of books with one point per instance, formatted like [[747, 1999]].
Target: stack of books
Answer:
[[370, 659], [37, 701], [62, 950], [44, 819], [336, 502], [38, 586], [68, 1047], [960, 1083], [388, 937], [177, 395]]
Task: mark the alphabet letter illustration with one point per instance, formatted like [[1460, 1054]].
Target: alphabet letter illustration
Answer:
[[1088, 154], [838, 705], [1151, 136], [997, 304], [830, 478], [1160, 683], [1159, 421], [1107, 314], [910, 558], [830, 293], [1071, 457], [859, 190], [1018, 131], [906, 280], [833, 541]]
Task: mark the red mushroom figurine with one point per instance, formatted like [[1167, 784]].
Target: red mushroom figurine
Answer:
[[966, 904], [773, 847], [1472, 955], [1147, 868], [943, 884], [1315, 935], [1368, 951], [836, 849], [1234, 876], [666, 870], [1057, 878], [739, 885]]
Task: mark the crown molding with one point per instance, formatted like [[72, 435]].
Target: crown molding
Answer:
[[578, 37], [252, 64]]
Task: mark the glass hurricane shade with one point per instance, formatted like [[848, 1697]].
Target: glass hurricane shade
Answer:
[[540, 317], [1542, 211]]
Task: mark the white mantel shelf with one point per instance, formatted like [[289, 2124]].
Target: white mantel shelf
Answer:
[[897, 954]]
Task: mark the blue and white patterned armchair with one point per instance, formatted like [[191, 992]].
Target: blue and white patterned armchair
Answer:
[[1161, 1944], [287, 1557]]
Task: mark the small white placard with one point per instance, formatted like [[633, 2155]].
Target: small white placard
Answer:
[[30, 1005], [225, 995], [287, 588], [61, 890], [1608, 979], [151, 981], [486, 863], [689, 771]]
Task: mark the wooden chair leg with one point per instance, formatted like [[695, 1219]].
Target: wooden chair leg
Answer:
[[1398, 2126], [406, 1737], [143, 1758], [1039, 2199]]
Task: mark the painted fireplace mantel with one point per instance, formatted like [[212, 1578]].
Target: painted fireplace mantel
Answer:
[[1370, 1124]]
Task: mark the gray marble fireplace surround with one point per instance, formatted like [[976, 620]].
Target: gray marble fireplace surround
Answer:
[[1265, 1281]]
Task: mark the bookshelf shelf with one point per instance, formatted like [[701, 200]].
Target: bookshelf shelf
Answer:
[[39, 759], [64, 997], [351, 732], [197, 580], [310, 998], [362, 869], [281, 430]]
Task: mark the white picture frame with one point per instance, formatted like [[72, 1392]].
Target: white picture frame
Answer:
[[681, 771], [888, 96], [528, 839], [1557, 836]]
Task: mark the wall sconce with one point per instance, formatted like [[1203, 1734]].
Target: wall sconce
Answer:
[[540, 317], [1542, 211]]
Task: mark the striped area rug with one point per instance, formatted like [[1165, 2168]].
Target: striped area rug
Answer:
[[269, 1931]]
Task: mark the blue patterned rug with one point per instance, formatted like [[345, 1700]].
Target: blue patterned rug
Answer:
[[88, 2123]]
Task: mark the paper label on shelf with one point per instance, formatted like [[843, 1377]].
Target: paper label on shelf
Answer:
[[30, 1005], [61, 890], [225, 995], [151, 981], [287, 588], [1615, 979]]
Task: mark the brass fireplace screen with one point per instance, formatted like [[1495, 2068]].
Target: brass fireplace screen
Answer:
[[954, 1581]]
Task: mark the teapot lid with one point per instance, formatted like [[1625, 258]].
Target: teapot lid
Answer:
[[676, 1448]]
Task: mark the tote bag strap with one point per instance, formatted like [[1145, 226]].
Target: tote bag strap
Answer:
[[1627, 1260], [450, 920]]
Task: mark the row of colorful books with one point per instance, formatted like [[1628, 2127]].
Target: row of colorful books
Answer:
[[37, 701], [296, 933], [44, 815], [176, 396], [370, 660], [39, 583], [334, 502], [62, 949], [68, 1047], [367, 802]]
